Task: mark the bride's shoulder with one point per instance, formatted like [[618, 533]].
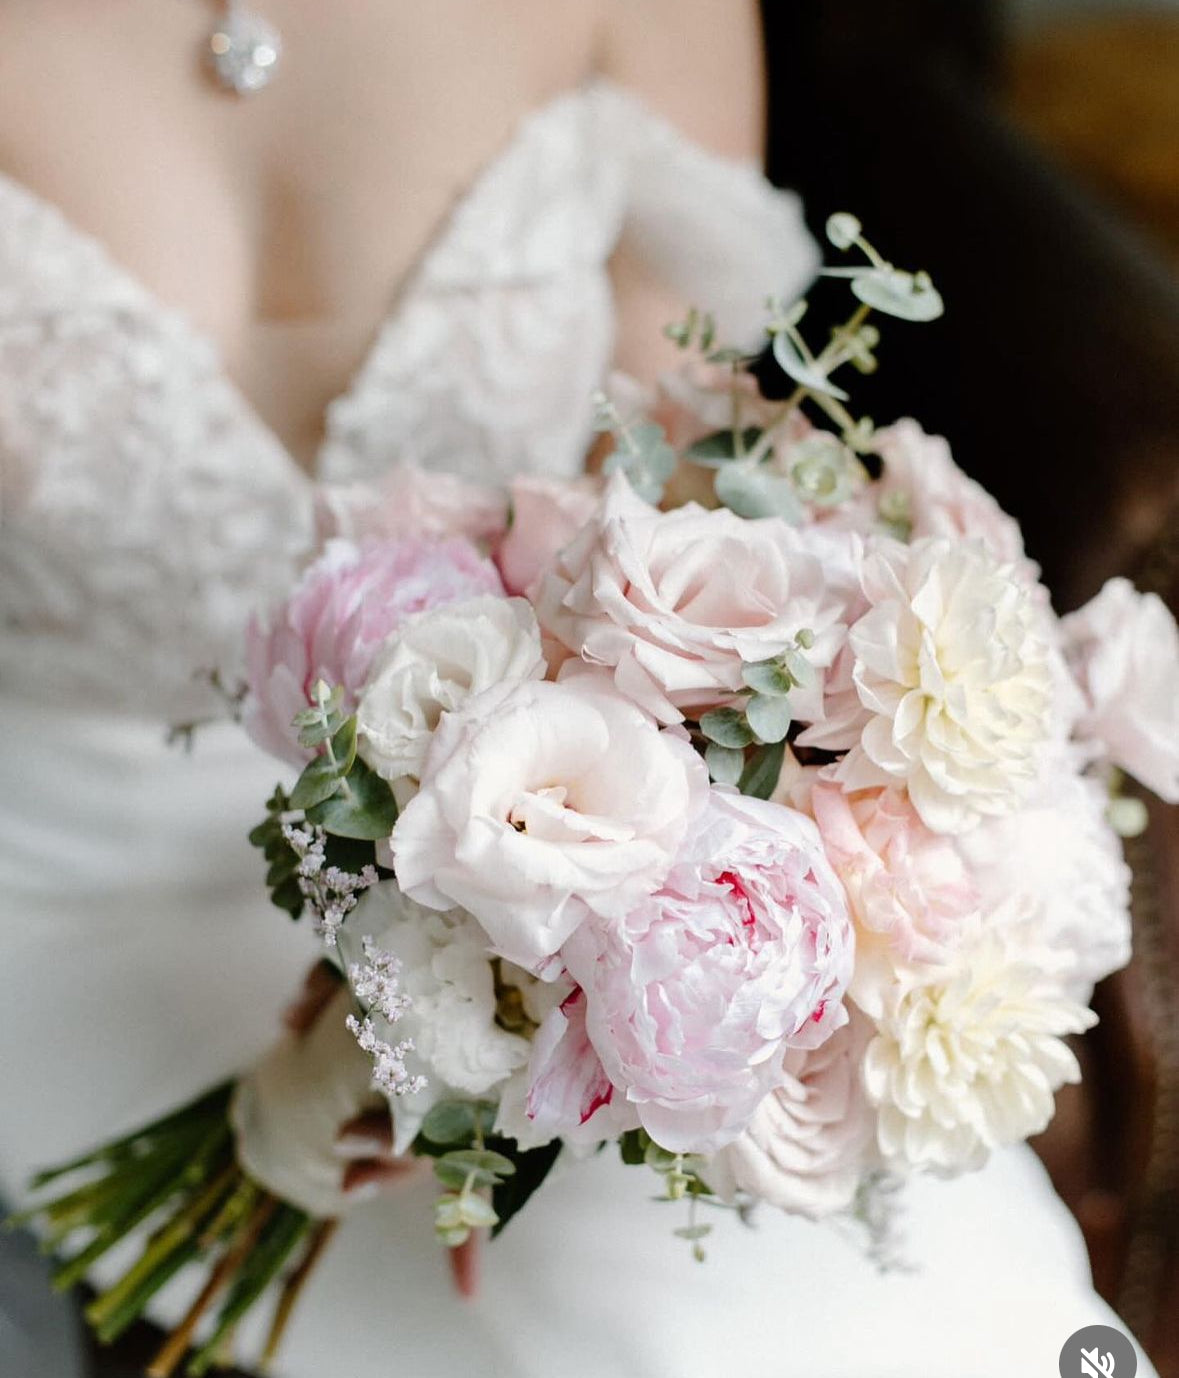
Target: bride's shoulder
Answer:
[[698, 63]]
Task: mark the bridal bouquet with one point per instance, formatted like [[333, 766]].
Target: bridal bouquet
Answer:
[[747, 809]]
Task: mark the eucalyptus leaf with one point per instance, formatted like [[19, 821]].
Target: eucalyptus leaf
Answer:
[[726, 727], [693, 1232], [800, 670], [725, 765], [344, 745], [767, 677], [760, 777], [367, 810], [720, 447], [478, 1212], [805, 374], [754, 492], [769, 717], [319, 781], [908, 296], [450, 1122]]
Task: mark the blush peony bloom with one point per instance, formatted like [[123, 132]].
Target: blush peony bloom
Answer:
[[542, 804], [953, 671], [967, 1058], [909, 890], [337, 619], [565, 1092], [673, 602], [546, 515], [695, 995], [811, 1141], [1123, 647], [438, 661]]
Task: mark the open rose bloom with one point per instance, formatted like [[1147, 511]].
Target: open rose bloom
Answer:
[[764, 837]]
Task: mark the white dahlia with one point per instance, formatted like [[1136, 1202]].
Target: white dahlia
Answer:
[[968, 1058], [952, 670]]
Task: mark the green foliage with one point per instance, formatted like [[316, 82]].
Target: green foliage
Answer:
[[363, 807], [722, 447], [726, 727], [282, 860], [533, 1165], [760, 776], [633, 1147], [455, 1122], [752, 491], [768, 717]]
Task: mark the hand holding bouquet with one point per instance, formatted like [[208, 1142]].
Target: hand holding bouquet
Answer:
[[768, 839]]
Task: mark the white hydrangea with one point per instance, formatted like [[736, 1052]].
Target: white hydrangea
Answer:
[[967, 1058], [447, 1009], [952, 668]]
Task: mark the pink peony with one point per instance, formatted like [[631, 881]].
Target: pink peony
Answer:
[[343, 610], [909, 889], [569, 1094], [412, 503], [546, 515], [1123, 648], [811, 1141], [541, 804], [674, 602], [694, 997]]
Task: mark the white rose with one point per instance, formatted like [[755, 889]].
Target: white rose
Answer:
[[450, 1011], [541, 804], [953, 671], [1123, 647], [438, 661], [673, 603], [811, 1140]]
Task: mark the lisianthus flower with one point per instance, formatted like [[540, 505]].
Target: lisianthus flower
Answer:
[[541, 804]]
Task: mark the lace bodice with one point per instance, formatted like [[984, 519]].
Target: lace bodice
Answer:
[[146, 510]]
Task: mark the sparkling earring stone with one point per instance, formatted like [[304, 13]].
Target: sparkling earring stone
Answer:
[[244, 52]]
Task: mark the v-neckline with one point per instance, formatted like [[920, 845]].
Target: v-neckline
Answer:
[[180, 320]]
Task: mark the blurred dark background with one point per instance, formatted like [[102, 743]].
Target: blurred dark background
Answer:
[[1027, 156]]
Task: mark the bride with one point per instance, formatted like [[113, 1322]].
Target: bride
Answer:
[[424, 232]]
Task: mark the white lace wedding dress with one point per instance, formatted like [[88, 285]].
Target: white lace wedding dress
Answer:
[[145, 510]]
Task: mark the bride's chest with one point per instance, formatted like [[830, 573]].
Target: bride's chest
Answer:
[[146, 507]]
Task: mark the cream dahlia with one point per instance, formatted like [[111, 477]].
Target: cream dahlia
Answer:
[[953, 673], [967, 1058]]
